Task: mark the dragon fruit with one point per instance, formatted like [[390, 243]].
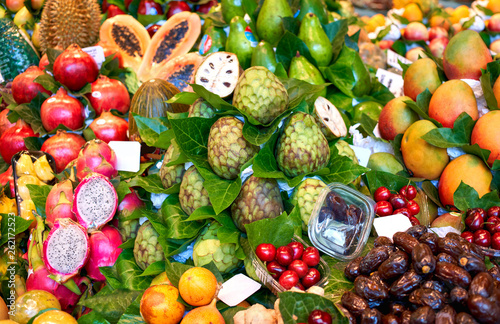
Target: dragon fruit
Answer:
[[104, 250], [59, 203], [128, 228], [66, 249], [95, 201], [96, 156]]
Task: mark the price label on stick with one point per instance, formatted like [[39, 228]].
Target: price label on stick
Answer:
[[394, 82], [393, 59]]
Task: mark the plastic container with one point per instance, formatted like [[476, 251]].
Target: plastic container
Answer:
[[341, 232], [274, 285]]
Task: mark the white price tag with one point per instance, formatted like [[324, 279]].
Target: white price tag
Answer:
[[394, 82], [128, 155], [97, 54], [237, 289], [363, 154], [393, 58], [1, 77], [390, 225]]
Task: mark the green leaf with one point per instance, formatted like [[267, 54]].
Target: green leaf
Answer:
[[288, 47], [457, 136], [39, 196], [132, 314], [421, 107], [128, 272], [127, 175], [175, 270], [229, 313], [296, 307], [299, 90], [154, 131], [343, 169], [48, 82], [30, 113], [466, 197], [368, 124], [376, 179], [110, 304], [478, 151], [147, 20], [175, 221], [277, 231], [488, 79], [486, 11], [192, 135], [33, 143], [152, 183], [186, 98], [336, 31], [92, 318], [11, 226], [432, 192]]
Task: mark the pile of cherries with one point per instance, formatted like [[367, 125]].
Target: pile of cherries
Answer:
[[397, 203], [483, 227], [291, 265], [318, 316]]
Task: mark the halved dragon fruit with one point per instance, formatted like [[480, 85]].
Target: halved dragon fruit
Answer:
[[95, 201], [104, 250], [66, 249], [96, 156]]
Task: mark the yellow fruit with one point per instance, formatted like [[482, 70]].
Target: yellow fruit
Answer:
[[161, 279], [55, 317], [198, 286], [24, 165], [26, 180], [204, 315], [413, 13], [43, 170], [8, 322], [27, 207], [4, 311], [7, 205], [459, 13], [494, 5], [159, 305], [31, 303]]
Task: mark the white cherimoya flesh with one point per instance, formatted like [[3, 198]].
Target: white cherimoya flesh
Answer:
[[330, 116], [219, 73]]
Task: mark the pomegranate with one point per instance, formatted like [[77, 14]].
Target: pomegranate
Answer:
[[44, 61], [8, 178], [109, 94], [14, 5], [110, 49], [176, 7], [150, 7], [96, 156], [4, 121], [12, 140], [109, 127], [114, 10], [64, 148], [62, 109], [74, 68], [24, 89], [104, 250], [128, 228], [59, 202]]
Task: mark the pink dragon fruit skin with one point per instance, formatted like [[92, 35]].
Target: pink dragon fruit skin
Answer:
[[104, 250], [96, 156], [130, 203], [67, 241], [59, 203], [95, 201]]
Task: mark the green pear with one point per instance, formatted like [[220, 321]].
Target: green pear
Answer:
[[238, 43], [385, 162], [317, 7], [269, 23], [232, 8], [312, 33], [302, 69], [263, 55]]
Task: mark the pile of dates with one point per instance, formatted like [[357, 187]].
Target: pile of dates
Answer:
[[418, 277]]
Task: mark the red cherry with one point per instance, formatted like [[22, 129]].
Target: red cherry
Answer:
[[297, 249], [300, 267], [482, 238], [275, 269], [311, 256], [409, 192], [492, 224], [413, 207], [382, 194], [476, 210], [299, 286], [114, 10], [311, 278], [265, 252], [397, 201], [289, 279], [153, 29], [468, 236], [495, 241], [474, 221], [383, 208], [319, 317], [149, 7], [284, 255], [414, 221], [404, 211], [174, 7], [493, 211]]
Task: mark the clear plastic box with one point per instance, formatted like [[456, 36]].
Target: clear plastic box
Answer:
[[274, 285], [341, 231]]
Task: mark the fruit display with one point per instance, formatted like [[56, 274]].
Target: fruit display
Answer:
[[229, 161]]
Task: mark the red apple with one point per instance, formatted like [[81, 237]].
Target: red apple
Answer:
[[416, 31]]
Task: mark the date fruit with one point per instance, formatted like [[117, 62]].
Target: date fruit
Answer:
[[423, 259], [373, 259], [404, 241], [452, 274], [396, 265]]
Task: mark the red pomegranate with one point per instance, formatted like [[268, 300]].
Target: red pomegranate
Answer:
[[24, 89], [110, 49], [8, 178], [109, 94], [12, 140], [109, 127], [114, 10], [74, 68], [44, 61], [64, 147], [62, 109], [4, 121]]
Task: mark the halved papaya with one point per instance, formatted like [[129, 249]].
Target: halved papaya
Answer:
[[129, 36], [176, 37], [180, 70]]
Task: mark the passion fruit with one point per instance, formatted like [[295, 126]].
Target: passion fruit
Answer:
[[31, 303], [198, 286], [55, 317], [159, 305]]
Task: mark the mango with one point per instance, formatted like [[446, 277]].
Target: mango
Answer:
[[415, 54], [450, 100], [486, 134], [439, 21], [421, 75], [421, 158], [467, 168], [465, 56], [459, 13], [395, 118], [494, 5], [413, 13], [385, 162]]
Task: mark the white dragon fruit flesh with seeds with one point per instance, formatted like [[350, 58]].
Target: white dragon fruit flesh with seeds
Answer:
[[95, 201], [66, 249]]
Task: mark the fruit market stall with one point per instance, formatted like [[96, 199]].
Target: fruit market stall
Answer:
[[249, 161]]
